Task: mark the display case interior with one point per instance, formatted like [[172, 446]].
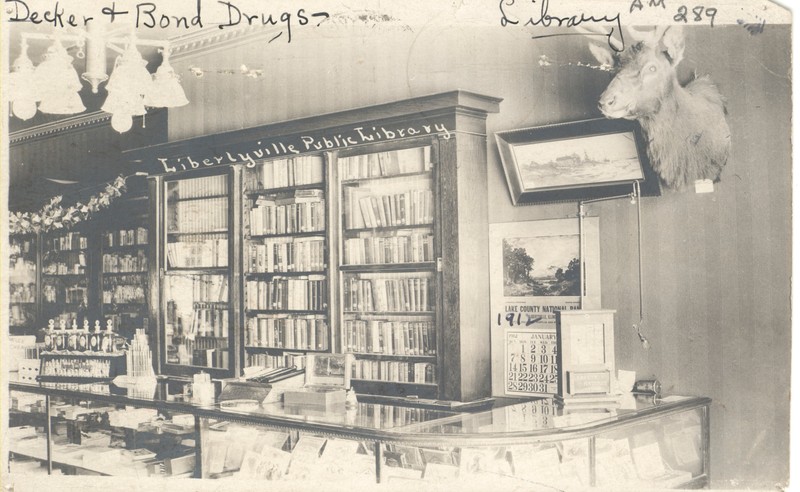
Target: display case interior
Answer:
[[161, 430], [23, 284], [197, 325]]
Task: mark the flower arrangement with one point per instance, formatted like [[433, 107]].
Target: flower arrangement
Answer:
[[54, 216]]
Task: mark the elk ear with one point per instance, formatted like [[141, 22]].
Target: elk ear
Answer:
[[672, 44], [602, 54]]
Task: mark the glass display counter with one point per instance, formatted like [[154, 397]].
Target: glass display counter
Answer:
[[158, 430]]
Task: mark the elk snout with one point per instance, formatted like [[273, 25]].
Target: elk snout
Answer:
[[612, 106], [608, 103]]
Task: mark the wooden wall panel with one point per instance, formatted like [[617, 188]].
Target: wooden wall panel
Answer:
[[716, 266]]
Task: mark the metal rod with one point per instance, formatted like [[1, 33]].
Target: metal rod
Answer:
[[641, 272], [82, 36]]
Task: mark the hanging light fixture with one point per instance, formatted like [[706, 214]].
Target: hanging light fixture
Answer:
[[58, 82], [95, 72], [21, 86], [166, 91], [129, 83], [55, 83]]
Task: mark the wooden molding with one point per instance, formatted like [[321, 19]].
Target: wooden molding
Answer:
[[95, 118]]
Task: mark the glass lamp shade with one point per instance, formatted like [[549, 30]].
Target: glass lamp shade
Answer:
[[22, 80], [58, 83], [166, 90], [121, 122], [22, 87], [131, 69], [24, 109], [68, 102], [123, 100]]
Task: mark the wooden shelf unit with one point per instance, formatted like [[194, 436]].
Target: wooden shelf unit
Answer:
[[452, 126]]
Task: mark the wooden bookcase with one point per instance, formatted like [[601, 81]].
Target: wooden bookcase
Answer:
[[124, 237], [389, 233], [193, 292], [67, 275], [286, 295], [404, 181]]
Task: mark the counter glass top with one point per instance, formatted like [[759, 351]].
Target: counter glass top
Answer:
[[512, 420]]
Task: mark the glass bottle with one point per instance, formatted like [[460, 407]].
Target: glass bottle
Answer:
[[83, 337], [49, 342], [60, 337], [72, 338], [94, 338]]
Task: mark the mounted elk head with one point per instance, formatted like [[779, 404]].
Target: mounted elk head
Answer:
[[688, 136]]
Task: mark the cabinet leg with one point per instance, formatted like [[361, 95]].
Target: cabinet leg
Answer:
[[378, 461], [49, 434], [199, 434]]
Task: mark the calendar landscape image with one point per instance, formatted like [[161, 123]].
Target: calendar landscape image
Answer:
[[541, 266]]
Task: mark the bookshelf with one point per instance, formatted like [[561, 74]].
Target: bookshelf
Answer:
[[23, 284], [286, 293], [66, 276], [196, 324], [389, 285], [124, 265], [363, 231]]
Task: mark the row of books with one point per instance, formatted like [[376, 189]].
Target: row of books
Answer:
[[389, 163], [55, 294], [125, 237], [389, 337], [114, 263], [209, 215], [123, 294], [307, 293], [207, 288], [198, 187], [71, 241], [189, 355], [365, 209], [66, 268], [288, 215], [410, 294], [281, 173], [411, 248], [400, 372], [198, 252], [268, 361], [210, 320], [301, 254], [307, 332]]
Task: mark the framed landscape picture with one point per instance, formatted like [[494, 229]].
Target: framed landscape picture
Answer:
[[575, 161]]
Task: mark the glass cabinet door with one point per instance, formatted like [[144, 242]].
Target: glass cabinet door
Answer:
[[22, 285], [388, 272], [197, 322]]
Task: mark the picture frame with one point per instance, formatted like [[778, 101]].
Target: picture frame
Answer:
[[524, 301], [575, 161]]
